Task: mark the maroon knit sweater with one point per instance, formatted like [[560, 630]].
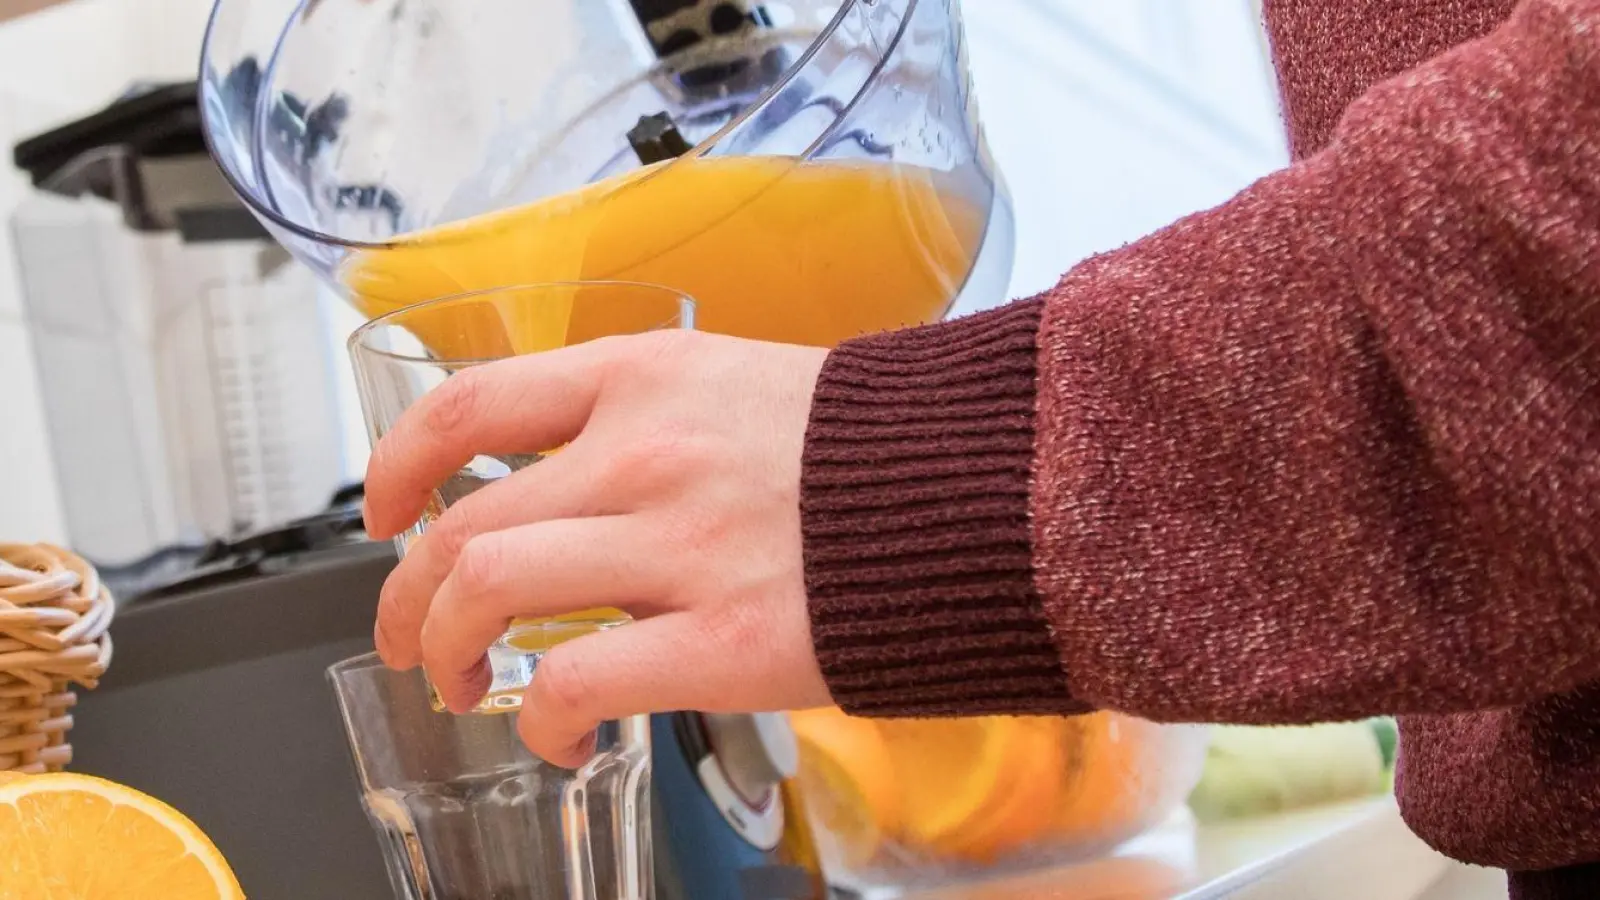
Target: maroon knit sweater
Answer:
[[1329, 450]]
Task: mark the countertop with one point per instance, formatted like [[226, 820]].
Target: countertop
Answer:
[[1359, 849]]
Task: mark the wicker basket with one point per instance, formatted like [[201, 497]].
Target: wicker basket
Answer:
[[54, 613]]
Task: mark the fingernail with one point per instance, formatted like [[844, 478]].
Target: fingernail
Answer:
[[582, 751], [381, 642], [391, 655], [371, 527]]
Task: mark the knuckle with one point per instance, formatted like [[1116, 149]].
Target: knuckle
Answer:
[[687, 528], [479, 565], [450, 536], [392, 630], [381, 461], [667, 345], [664, 451], [439, 645], [390, 610], [454, 403], [737, 632], [563, 687], [640, 358], [536, 734], [665, 441]]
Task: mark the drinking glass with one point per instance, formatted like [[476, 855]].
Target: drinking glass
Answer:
[[464, 812], [402, 356]]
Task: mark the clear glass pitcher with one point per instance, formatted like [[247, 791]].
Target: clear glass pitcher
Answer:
[[808, 170], [464, 812]]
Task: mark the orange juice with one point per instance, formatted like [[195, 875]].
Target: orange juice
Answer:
[[772, 248]]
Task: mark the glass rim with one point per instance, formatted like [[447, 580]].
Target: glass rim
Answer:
[[360, 663], [357, 347]]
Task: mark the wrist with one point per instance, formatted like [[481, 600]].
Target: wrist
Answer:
[[914, 511]]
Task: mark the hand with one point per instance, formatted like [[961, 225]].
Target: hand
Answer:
[[675, 499]]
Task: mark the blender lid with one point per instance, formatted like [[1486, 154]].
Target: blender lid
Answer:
[[152, 122], [146, 153], [673, 25]]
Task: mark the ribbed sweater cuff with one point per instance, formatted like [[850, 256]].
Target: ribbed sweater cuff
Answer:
[[914, 503]]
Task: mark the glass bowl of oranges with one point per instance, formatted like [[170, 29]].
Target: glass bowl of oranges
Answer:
[[902, 803]]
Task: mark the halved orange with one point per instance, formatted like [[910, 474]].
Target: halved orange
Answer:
[[75, 837]]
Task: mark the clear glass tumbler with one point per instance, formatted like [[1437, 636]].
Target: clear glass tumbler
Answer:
[[465, 812], [402, 356]]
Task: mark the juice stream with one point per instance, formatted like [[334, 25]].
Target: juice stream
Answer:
[[770, 248]]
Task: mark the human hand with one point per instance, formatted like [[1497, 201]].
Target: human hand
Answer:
[[675, 499]]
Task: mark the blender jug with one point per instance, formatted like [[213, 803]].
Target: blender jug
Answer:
[[807, 170]]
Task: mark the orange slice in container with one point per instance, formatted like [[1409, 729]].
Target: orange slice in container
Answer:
[[949, 770], [1104, 793], [1025, 804], [848, 779], [73, 837]]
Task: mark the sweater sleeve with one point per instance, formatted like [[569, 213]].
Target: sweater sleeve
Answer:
[[1328, 450]]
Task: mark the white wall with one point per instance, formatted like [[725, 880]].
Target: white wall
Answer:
[[29, 509], [1109, 117]]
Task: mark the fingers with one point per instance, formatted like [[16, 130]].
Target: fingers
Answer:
[[556, 487], [641, 667], [534, 571], [526, 404]]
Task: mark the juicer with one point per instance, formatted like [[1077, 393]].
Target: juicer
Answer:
[[166, 322], [351, 128]]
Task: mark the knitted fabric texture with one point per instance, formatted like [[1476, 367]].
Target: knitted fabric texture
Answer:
[[1328, 450]]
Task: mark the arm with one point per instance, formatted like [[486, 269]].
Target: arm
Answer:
[[1330, 449]]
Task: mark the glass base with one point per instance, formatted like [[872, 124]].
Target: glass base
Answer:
[[514, 658]]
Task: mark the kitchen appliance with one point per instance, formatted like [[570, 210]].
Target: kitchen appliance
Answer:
[[185, 368]]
